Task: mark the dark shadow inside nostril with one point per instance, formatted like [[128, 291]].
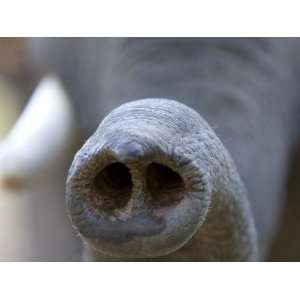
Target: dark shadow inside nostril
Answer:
[[114, 187], [166, 186]]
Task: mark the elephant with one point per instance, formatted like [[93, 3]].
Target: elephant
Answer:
[[192, 154]]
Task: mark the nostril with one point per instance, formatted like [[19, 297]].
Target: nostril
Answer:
[[166, 186], [114, 187]]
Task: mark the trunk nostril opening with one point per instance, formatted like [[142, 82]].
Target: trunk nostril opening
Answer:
[[114, 187], [166, 186]]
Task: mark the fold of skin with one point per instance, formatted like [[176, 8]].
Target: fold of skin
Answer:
[[183, 188]]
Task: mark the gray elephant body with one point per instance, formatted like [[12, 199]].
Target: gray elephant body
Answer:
[[246, 89]]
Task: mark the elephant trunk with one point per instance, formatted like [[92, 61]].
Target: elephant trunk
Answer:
[[154, 178]]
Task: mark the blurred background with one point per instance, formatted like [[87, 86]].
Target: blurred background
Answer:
[[33, 221]]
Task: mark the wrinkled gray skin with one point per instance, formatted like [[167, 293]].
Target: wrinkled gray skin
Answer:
[[248, 92]]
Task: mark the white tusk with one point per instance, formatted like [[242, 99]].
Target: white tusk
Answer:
[[43, 132]]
